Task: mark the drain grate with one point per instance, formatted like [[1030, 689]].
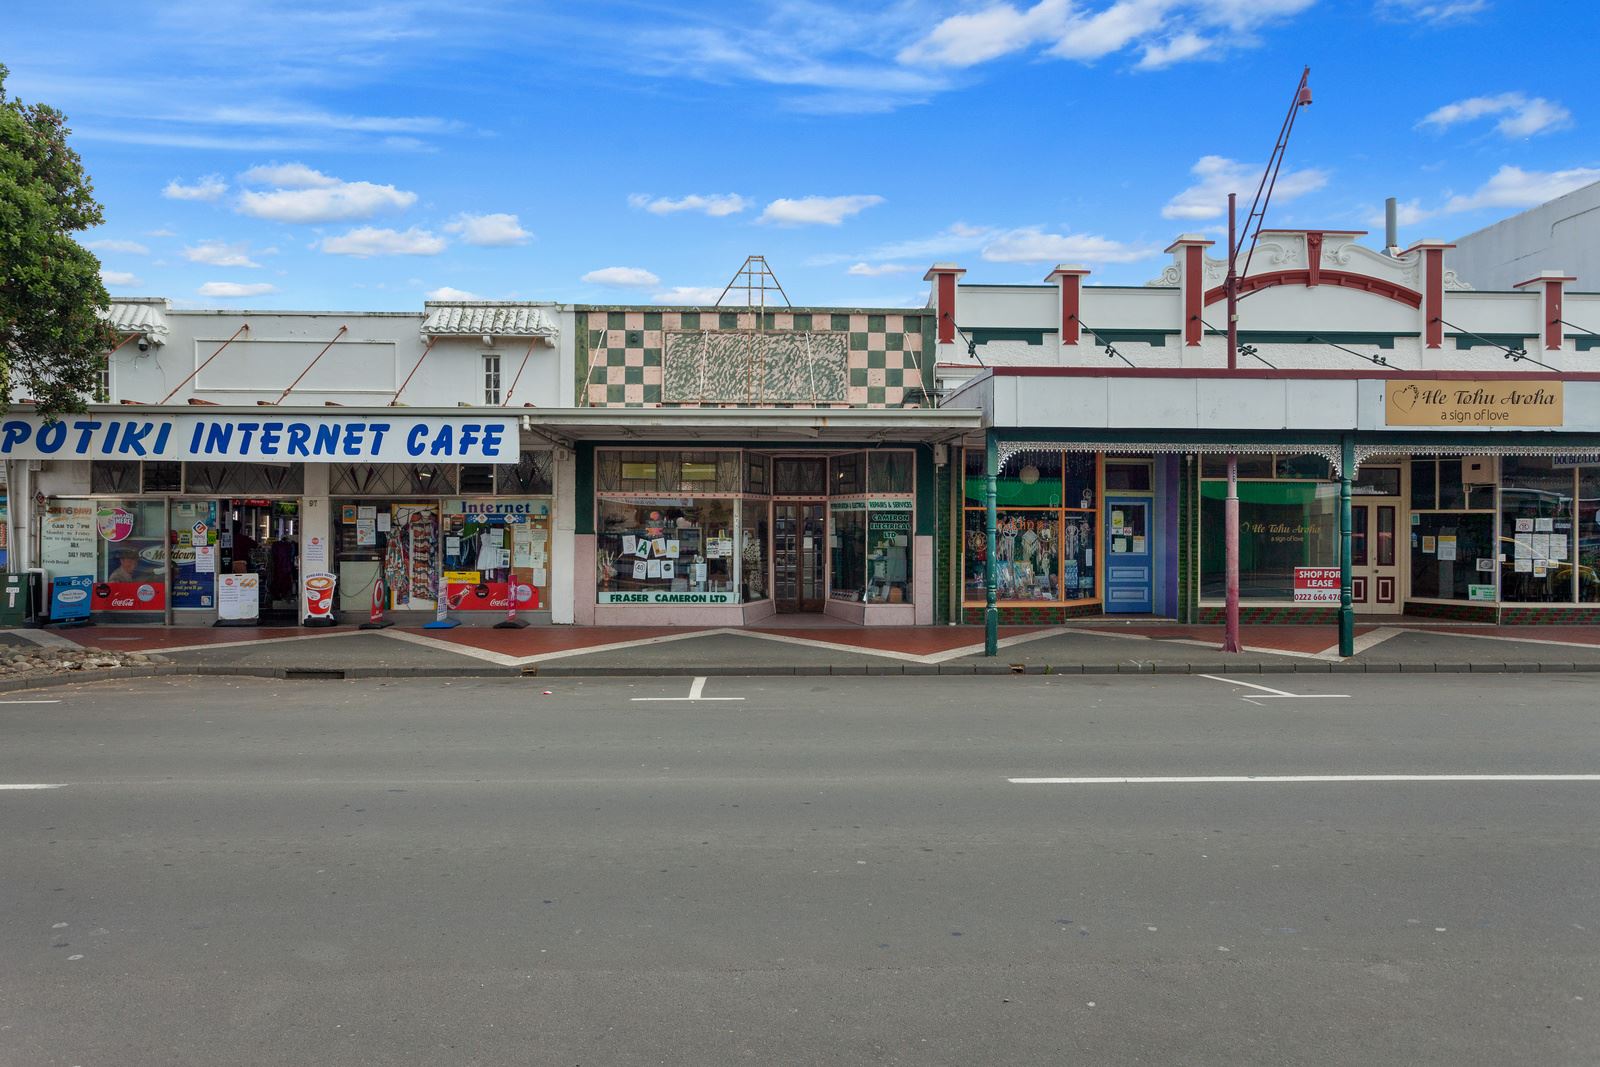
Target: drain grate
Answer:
[[318, 674]]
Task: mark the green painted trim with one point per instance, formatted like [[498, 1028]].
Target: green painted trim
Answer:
[[983, 335], [1583, 343], [1153, 338], [580, 358], [926, 493], [583, 488], [1493, 340], [1291, 337], [930, 358]]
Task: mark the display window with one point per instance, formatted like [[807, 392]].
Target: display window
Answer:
[[1285, 522], [497, 554], [192, 536], [667, 550], [122, 544], [1046, 528], [1452, 547], [1588, 535], [1540, 551], [395, 541]]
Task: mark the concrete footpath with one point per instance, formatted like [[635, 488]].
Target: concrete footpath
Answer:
[[1096, 647]]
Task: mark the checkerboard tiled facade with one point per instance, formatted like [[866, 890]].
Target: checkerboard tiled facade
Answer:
[[632, 357]]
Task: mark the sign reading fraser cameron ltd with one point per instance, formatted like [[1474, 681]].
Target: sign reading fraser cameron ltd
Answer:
[[303, 438], [1474, 403]]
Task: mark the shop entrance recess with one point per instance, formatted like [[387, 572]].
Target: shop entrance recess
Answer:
[[799, 536], [262, 537], [1129, 547], [1375, 516]]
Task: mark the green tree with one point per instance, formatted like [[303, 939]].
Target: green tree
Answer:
[[52, 338]]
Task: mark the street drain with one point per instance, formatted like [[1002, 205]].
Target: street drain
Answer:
[[330, 674]]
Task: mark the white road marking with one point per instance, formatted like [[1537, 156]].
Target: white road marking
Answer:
[[1230, 779], [1276, 694], [31, 785], [697, 687], [30, 701]]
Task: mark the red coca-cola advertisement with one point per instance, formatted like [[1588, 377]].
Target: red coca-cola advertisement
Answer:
[[129, 596], [491, 596]]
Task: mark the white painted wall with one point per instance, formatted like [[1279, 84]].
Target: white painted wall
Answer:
[[1563, 234]]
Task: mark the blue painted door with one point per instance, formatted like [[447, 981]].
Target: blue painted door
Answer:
[[1130, 547]]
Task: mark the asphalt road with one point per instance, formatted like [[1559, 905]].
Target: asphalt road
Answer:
[[830, 870]]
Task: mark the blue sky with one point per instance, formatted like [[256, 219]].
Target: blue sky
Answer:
[[318, 155]]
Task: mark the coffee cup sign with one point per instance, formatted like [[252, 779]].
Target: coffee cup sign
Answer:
[[319, 595]]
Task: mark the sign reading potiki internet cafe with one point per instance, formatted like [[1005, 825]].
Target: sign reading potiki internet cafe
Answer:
[[247, 438], [1458, 402]]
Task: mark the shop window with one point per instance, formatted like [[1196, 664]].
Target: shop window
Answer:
[[871, 545], [392, 479], [1316, 468], [532, 475], [121, 543], [1046, 525], [477, 479], [102, 391], [755, 474], [162, 477], [491, 378], [243, 479], [1282, 525], [849, 477], [891, 471], [1424, 484], [668, 472], [1588, 519], [799, 477], [1034, 479], [666, 553], [1452, 555], [114, 476], [1537, 543], [1376, 481], [847, 546], [1123, 476], [1249, 466]]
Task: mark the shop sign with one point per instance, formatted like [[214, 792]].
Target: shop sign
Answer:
[[252, 438], [1316, 585], [319, 595], [239, 597], [1474, 403], [668, 598], [130, 596], [1480, 592], [115, 524], [871, 505], [489, 596], [509, 510], [69, 597]]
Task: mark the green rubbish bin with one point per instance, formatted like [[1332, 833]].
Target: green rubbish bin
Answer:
[[16, 601]]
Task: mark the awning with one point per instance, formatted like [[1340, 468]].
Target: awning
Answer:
[[564, 426]]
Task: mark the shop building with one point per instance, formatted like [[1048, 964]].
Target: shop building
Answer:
[[734, 465], [1463, 425], [234, 455]]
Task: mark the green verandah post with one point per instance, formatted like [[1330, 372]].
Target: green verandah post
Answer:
[[991, 612], [1347, 612]]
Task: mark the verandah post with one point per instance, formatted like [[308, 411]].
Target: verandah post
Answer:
[[991, 490], [1347, 613]]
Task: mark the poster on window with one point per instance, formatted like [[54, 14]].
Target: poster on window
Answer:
[[239, 597], [506, 542], [192, 542], [67, 538]]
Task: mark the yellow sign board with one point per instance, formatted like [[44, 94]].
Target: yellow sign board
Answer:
[[1461, 402]]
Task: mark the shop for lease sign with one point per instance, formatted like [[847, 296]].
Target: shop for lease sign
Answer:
[[245, 438], [1469, 403]]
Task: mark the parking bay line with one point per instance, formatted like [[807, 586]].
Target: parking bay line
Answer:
[[1276, 694], [30, 701], [695, 689], [1303, 779], [31, 785]]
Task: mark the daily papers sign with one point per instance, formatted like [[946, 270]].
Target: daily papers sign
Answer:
[[244, 438]]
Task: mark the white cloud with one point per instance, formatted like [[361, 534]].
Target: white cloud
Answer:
[[1522, 116], [446, 292], [1515, 187], [132, 248], [311, 196], [694, 295], [976, 37], [717, 205], [1031, 245], [159, 233], [1218, 176], [958, 237], [879, 270], [816, 210], [1436, 11], [288, 176], [366, 241], [119, 277], [219, 254], [236, 289], [211, 187], [489, 231], [1165, 31], [624, 277], [1158, 54]]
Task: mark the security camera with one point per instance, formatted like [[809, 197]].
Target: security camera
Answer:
[[144, 344]]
